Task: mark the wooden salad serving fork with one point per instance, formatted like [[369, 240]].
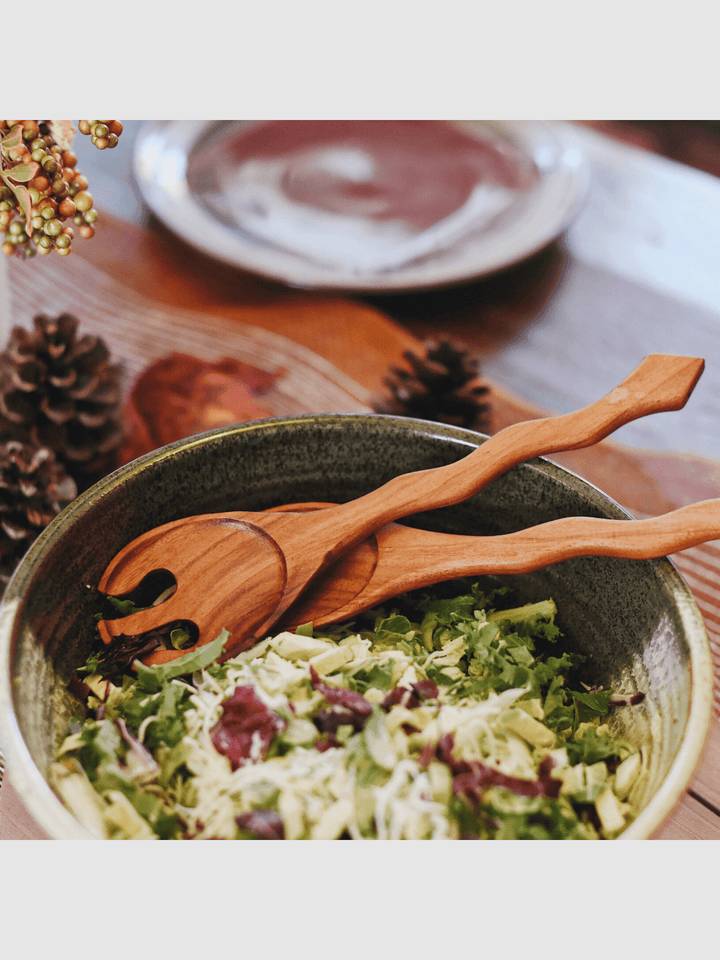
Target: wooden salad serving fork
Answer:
[[243, 571]]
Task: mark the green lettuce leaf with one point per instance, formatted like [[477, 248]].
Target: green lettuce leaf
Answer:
[[152, 678]]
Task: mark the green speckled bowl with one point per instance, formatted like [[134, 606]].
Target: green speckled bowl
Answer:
[[634, 621]]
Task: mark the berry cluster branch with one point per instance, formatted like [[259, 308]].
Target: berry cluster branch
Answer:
[[41, 190]]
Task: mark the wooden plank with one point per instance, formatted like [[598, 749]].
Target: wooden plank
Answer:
[[15, 822], [691, 821], [706, 782]]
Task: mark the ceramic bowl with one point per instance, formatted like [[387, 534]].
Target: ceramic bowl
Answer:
[[635, 622]]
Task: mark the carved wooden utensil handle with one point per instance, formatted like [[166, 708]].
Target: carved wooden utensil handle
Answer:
[[662, 382]]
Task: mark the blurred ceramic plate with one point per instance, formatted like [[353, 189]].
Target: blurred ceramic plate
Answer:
[[365, 205]]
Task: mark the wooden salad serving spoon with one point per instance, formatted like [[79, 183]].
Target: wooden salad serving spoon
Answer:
[[407, 558], [243, 574]]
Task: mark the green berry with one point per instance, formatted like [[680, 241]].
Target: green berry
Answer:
[[90, 216], [83, 201], [53, 228]]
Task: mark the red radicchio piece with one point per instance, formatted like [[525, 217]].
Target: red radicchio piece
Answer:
[[347, 708], [412, 697], [339, 696], [124, 649], [630, 701], [265, 824], [143, 758], [471, 777], [245, 720], [328, 721], [428, 753]]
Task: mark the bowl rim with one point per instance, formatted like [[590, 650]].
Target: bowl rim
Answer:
[[55, 819]]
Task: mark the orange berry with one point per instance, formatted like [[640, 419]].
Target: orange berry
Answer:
[[87, 232]]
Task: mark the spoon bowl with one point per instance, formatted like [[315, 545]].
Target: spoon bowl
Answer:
[[407, 559]]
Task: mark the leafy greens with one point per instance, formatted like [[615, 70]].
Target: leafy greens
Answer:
[[445, 718]]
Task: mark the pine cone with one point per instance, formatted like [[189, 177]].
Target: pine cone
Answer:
[[443, 385], [33, 490], [61, 391]]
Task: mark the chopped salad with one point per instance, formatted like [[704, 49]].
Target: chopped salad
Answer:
[[437, 718]]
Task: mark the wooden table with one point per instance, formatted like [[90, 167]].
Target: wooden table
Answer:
[[637, 273]]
